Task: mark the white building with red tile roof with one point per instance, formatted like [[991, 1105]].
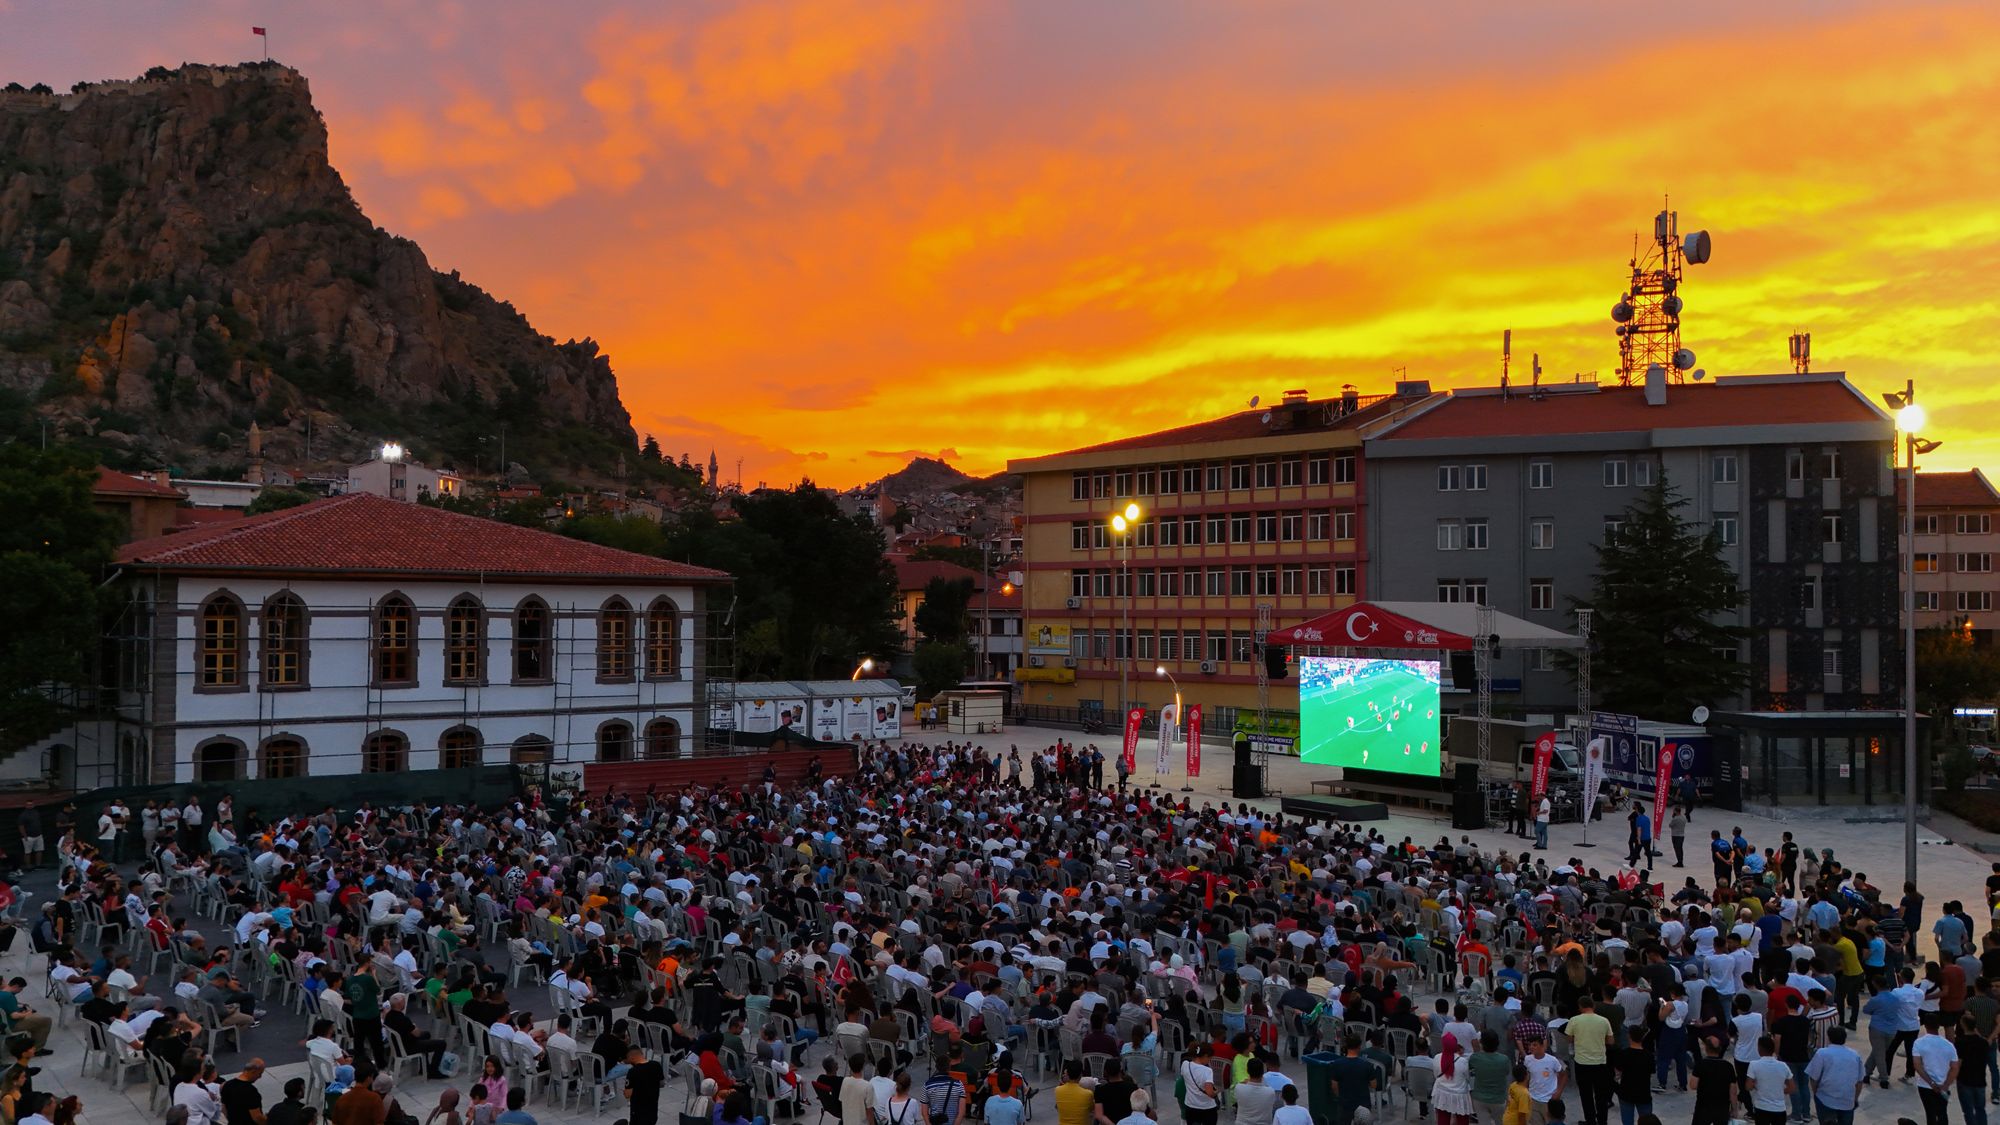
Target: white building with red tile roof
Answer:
[[362, 634]]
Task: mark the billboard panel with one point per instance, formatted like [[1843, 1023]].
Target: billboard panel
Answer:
[[1372, 714], [1049, 638]]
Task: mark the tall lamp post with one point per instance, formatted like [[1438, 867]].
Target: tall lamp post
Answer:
[[1909, 422], [1126, 525]]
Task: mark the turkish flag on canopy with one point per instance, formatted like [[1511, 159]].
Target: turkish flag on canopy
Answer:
[[1364, 625]]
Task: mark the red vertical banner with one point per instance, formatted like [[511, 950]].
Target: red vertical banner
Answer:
[[1194, 741], [1545, 748], [1133, 718], [1662, 781]]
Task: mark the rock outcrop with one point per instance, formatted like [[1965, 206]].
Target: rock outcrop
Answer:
[[178, 259]]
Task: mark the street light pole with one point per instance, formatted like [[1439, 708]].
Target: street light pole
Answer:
[[1126, 524], [1187, 783], [1909, 422], [986, 610]]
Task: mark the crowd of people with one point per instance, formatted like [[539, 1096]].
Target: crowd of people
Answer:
[[906, 942]]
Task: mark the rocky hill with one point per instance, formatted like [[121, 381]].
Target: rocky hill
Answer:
[[925, 476], [178, 259]]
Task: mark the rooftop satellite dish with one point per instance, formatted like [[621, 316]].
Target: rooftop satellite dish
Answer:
[[1267, 417], [1254, 400], [1698, 374], [1696, 246], [1700, 715]]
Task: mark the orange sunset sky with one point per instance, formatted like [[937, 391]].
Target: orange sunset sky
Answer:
[[821, 235]]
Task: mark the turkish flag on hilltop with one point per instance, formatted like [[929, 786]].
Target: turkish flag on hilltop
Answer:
[[1364, 625], [257, 31]]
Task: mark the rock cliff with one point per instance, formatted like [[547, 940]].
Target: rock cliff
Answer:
[[178, 259]]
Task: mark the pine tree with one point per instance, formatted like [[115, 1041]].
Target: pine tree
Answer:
[[651, 450], [1656, 647]]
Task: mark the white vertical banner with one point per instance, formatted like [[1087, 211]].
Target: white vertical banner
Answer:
[[1593, 773], [1170, 721]]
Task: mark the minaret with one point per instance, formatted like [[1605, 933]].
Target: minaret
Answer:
[[714, 470], [255, 473]]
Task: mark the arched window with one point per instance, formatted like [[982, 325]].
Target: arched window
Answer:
[[395, 641], [531, 640], [458, 749], [385, 752], [614, 742], [220, 659], [464, 641], [663, 739], [614, 641], [282, 756], [284, 642], [663, 640], [219, 759], [532, 749]]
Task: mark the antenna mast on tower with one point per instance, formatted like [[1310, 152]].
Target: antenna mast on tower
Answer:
[[1648, 315]]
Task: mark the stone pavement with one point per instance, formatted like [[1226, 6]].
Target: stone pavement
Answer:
[[1949, 871]]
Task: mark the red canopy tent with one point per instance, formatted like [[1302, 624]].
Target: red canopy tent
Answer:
[[1369, 625]]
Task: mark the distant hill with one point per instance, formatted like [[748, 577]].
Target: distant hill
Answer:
[[178, 259], [926, 475]]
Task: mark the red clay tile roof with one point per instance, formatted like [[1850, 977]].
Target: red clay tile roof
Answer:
[[916, 575], [1612, 409], [111, 482], [360, 533], [1969, 489], [1248, 424]]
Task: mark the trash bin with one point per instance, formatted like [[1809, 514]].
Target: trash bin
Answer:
[[1320, 1094]]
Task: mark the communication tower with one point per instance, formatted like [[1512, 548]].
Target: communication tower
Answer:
[[1648, 315]]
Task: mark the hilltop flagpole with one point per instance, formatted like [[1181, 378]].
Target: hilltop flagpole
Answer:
[[265, 35]]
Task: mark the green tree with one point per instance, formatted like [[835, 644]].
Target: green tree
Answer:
[[1952, 672], [53, 548], [971, 558], [941, 615], [277, 499], [626, 533], [814, 593], [940, 665], [1656, 648]]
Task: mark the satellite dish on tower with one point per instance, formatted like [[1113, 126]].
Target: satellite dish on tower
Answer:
[[1695, 247], [1684, 359]]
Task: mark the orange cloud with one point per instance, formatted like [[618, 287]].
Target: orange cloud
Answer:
[[843, 228]]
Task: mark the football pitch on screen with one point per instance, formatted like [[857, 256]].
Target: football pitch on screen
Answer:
[[1374, 714]]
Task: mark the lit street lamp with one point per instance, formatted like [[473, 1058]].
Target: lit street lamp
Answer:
[[1909, 422], [866, 665], [1126, 524]]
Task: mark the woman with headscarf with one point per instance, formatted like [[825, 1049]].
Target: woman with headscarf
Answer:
[[1451, 1094], [703, 1106]]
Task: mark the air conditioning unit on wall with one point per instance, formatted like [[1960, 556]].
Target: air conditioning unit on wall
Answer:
[[1208, 666], [1034, 662], [1069, 661], [1073, 603]]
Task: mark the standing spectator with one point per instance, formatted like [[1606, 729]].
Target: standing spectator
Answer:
[[1769, 1084], [241, 1103], [1590, 1037], [1714, 1082], [1547, 1079], [1837, 1077], [1937, 1071], [1677, 830], [1975, 1055], [32, 843]]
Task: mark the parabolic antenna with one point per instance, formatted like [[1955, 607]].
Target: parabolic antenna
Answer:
[[1695, 247]]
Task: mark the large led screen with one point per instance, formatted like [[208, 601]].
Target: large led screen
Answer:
[[1372, 714]]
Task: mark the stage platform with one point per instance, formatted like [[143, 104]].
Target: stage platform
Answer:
[[1325, 808]]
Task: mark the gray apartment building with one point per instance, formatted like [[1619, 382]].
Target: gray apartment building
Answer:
[[1502, 498]]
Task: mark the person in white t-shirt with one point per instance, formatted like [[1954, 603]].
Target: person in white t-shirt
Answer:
[[1198, 1080]]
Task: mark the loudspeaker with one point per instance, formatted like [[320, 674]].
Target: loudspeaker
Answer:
[[1468, 809], [1464, 672], [1274, 661], [1468, 776], [1247, 782]]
